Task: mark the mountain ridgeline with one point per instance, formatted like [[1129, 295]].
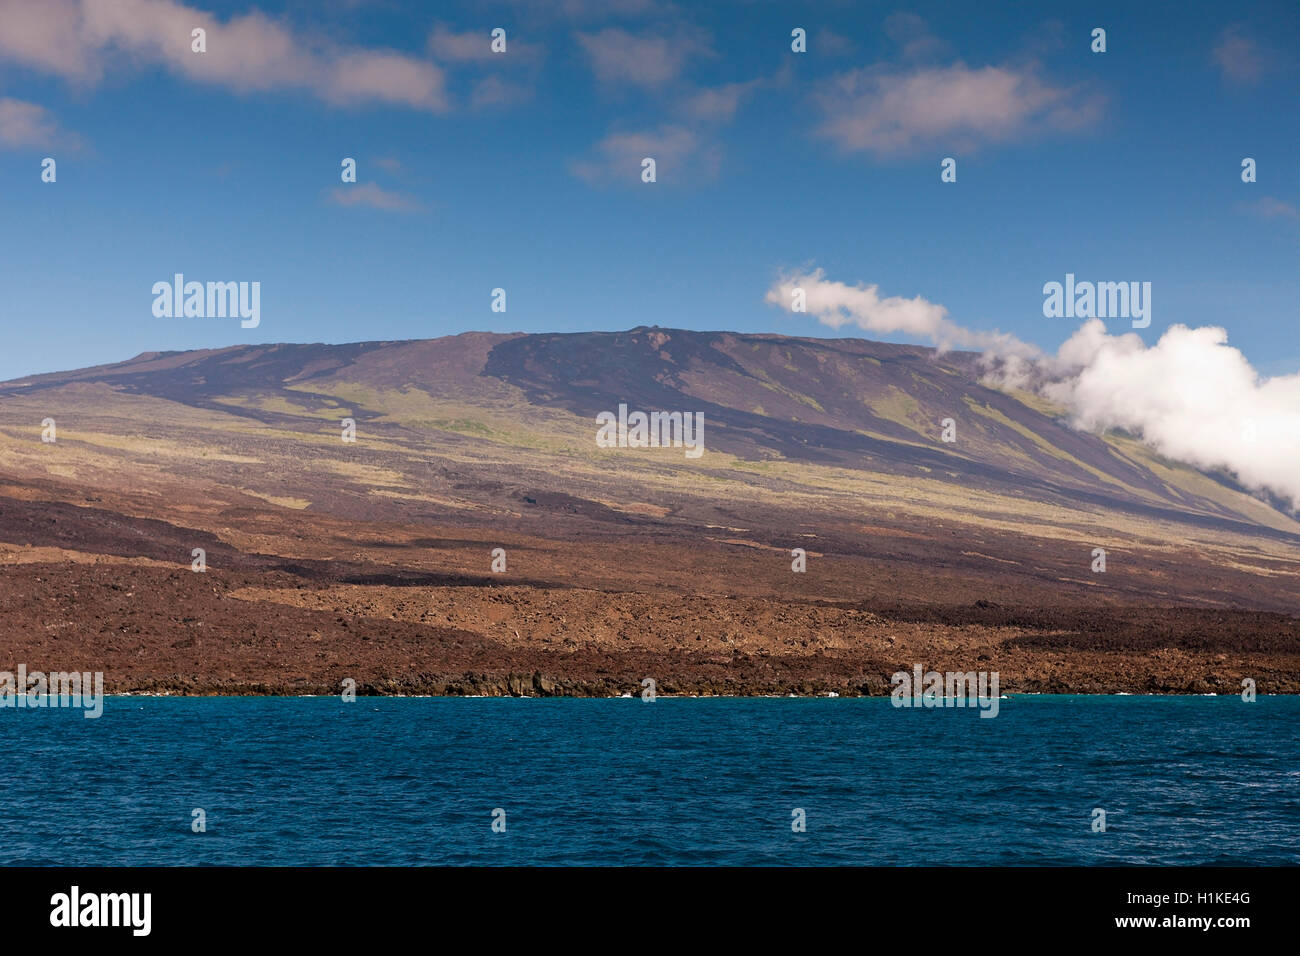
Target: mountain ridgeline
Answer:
[[847, 404]]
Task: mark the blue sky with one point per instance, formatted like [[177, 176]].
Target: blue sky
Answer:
[[521, 170]]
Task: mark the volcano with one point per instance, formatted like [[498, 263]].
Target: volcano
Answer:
[[942, 520]]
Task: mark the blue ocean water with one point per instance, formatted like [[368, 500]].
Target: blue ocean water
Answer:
[[1183, 780]]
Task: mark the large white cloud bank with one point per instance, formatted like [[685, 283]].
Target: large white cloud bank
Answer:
[[1191, 396]]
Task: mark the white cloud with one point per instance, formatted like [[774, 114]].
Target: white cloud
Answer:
[[494, 91], [1239, 57], [392, 77], [79, 39], [838, 304], [679, 156], [27, 124], [376, 197], [882, 111], [587, 10], [1270, 207], [1191, 396], [912, 35], [46, 36], [826, 42], [453, 47], [647, 60], [474, 49], [475, 46], [719, 103]]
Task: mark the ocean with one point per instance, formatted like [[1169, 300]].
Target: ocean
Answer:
[[401, 781]]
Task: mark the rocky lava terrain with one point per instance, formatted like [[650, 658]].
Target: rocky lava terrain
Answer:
[[373, 559]]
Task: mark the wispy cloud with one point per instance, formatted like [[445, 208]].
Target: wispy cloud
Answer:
[[475, 46], [826, 42], [473, 49], [1270, 207], [28, 124], [684, 146], [80, 40], [886, 111], [1239, 57], [588, 10], [376, 197], [647, 60], [1191, 396], [719, 103], [913, 37], [494, 91], [452, 47], [837, 304], [680, 156]]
